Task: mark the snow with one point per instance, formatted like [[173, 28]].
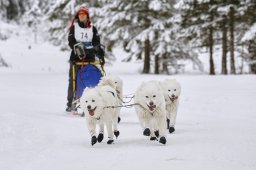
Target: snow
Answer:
[[250, 33], [215, 126], [155, 5]]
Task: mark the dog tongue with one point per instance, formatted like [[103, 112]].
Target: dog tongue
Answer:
[[151, 108], [91, 112], [173, 98]]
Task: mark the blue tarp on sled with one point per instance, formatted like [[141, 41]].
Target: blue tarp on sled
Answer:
[[88, 76]]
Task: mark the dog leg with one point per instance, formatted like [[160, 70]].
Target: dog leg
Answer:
[[161, 122], [152, 125], [168, 123], [110, 132], [173, 115], [115, 122], [119, 118], [91, 125], [146, 125], [101, 133]]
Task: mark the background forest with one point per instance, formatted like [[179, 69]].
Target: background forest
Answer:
[[167, 35]]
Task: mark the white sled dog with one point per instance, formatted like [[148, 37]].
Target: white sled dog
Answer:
[[95, 104], [171, 89], [110, 79], [150, 108]]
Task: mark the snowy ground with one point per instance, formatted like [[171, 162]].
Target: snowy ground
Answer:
[[216, 123]]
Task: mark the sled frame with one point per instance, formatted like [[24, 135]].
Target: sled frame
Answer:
[[76, 66]]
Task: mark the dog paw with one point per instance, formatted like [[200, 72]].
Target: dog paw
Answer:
[[119, 119], [110, 141], [153, 138], [94, 140], [100, 137], [171, 129], [162, 140], [157, 133], [146, 132], [116, 133]]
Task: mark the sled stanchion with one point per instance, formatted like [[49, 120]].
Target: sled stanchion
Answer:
[[103, 71], [74, 78]]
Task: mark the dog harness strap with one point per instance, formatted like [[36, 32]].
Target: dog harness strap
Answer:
[[112, 93]]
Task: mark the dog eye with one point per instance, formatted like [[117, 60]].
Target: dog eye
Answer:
[[86, 101], [116, 82], [154, 96], [174, 89], [93, 100], [169, 90], [146, 96]]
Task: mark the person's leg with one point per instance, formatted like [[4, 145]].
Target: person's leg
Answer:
[[70, 87]]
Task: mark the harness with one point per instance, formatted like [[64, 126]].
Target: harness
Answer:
[[112, 93]]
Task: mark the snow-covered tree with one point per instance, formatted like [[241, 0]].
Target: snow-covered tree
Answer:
[[199, 22], [248, 13], [146, 29], [13, 9], [60, 16]]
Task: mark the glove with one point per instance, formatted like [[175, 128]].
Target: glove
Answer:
[[99, 51]]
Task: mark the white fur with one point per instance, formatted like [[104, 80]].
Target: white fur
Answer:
[[171, 89], [100, 97], [155, 118], [116, 83]]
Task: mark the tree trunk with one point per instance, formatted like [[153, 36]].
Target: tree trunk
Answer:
[[252, 53], [224, 47], [146, 68], [232, 50], [157, 64], [253, 64], [165, 65], [212, 70]]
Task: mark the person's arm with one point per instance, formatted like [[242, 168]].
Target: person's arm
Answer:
[[97, 46], [96, 37], [71, 37]]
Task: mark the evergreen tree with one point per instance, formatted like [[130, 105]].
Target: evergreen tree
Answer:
[[247, 17], [199, 21], [60, 16], [13, 9], [146, 29]]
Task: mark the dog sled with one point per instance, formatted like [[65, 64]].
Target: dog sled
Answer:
[[84, 74]]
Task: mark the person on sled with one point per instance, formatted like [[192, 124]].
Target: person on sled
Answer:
[[82, 31]]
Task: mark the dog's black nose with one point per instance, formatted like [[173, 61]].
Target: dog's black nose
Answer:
[[151, 103], [173, 95], [89, 107]]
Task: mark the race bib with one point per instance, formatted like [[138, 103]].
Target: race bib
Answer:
[[83, 35]]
